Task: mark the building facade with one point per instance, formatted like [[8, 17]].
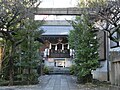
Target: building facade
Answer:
[[56, 51]]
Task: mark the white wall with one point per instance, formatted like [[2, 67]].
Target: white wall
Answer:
[[50, 62], [68, 62]]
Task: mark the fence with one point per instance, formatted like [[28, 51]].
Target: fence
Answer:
[[115, 67]]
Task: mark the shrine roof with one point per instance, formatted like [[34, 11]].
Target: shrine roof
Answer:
[[56, 22], [56, 29]]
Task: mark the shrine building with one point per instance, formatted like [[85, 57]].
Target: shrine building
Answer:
[[56, 50]]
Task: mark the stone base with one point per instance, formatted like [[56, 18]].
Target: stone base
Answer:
[[99, 75]]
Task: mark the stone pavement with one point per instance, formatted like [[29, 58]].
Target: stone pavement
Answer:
[[61, 82], [49, 82], [57, 82]]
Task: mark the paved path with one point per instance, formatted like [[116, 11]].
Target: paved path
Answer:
[[57, 82], [49, 82], [60, 82]]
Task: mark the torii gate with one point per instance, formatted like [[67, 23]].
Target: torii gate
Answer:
[[75, 11], [63, 11]]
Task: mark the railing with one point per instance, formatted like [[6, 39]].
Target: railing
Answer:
[[59, 54]]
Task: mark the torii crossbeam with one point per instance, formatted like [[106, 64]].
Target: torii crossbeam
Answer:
[[63, 11]]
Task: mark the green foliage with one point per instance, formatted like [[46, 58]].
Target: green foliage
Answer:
[[16, 25], [46, 70], [73, 70], [90, 3], [83, 39], [27, 53]]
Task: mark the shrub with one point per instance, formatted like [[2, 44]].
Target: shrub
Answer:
[[72, 70], [45, 70]]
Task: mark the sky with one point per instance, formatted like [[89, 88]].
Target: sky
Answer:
[[56, 4]]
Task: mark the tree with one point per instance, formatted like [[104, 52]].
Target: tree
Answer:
[[90, 3], [14, 14], [109, 18], [83, 39], [28, 53]]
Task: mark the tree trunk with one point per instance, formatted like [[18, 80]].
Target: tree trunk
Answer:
[[11, 71], [11, 65], [28, 76]]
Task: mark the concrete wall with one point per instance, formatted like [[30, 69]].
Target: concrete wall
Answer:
[[49, 62], [101, 73]]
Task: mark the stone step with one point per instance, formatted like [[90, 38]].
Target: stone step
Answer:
[[59, 72], [64, 73]]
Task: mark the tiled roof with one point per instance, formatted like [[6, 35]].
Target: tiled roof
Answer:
[[57, 22], [56, 30]]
